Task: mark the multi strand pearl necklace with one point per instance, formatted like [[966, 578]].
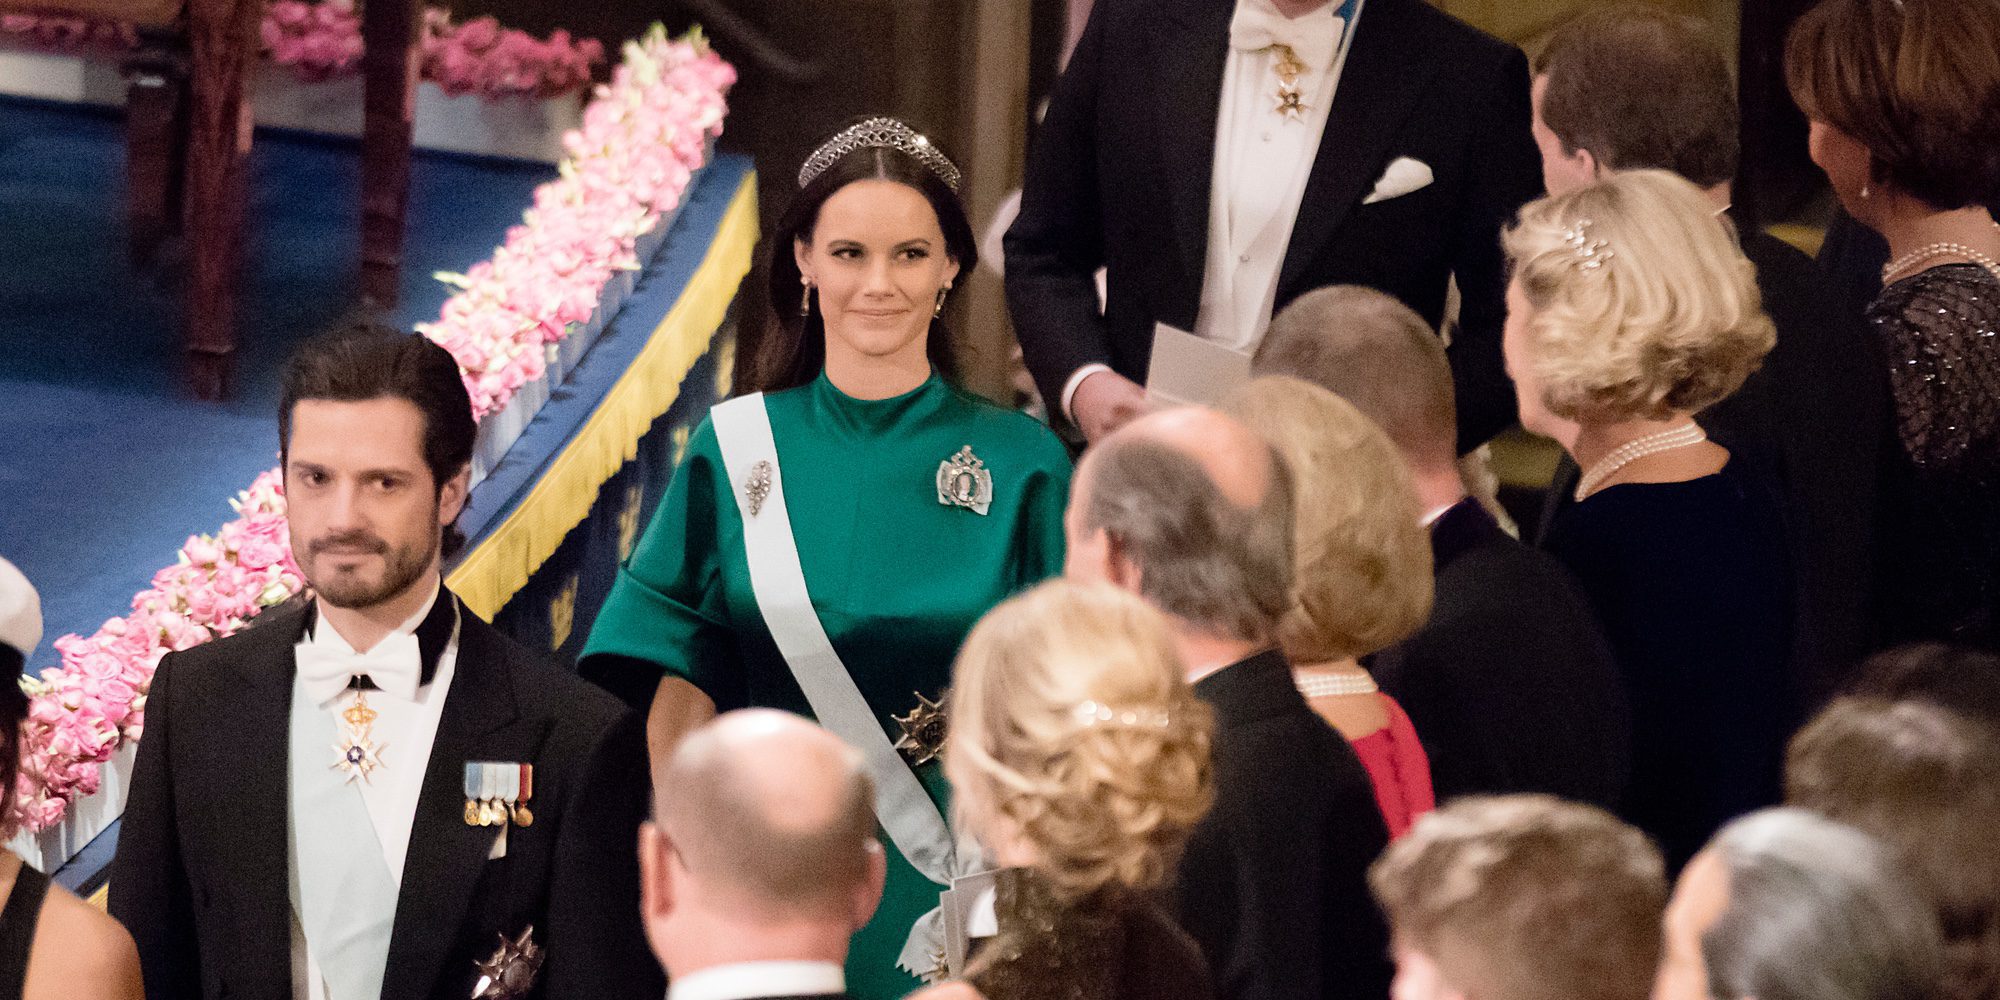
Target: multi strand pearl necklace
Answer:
[[1932, 251], [1332, 685], [1689, 433]]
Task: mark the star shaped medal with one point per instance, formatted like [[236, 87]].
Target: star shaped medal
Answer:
[[510, 971], [359, 756], [1290, 99], [923, 730]]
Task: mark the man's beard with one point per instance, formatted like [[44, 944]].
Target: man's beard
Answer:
[[402, 567]]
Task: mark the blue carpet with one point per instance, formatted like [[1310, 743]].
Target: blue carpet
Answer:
[[105, 465]]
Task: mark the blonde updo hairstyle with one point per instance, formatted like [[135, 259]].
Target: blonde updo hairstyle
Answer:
[[1101, 802], [1669, 321], [1364, 559]]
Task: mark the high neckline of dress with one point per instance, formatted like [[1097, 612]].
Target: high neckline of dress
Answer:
[[872, 415]]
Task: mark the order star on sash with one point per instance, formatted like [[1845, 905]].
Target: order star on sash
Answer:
[[360, 756]]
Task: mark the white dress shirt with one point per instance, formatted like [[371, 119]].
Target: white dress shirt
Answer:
[[745, 980], [403, 731], [1262, 159]]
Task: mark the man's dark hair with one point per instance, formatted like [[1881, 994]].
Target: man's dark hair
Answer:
[[1641, 87], [360, 360]]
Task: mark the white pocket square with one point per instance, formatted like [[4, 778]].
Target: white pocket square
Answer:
[[1405, 174]]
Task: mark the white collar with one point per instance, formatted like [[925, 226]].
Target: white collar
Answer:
[[324, 634], [1431, 516], [744, 980]]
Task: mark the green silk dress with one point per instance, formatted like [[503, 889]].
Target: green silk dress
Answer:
[[898, 578]]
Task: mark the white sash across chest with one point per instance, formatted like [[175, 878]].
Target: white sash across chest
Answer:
[[743, 431]]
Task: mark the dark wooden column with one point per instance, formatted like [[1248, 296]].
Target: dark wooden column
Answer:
[[223, 37], [155, 124], [389, 69]]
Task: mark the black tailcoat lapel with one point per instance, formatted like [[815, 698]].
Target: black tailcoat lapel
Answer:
[[259, 809], [481, 721], [1379, 86], [1190, 50]]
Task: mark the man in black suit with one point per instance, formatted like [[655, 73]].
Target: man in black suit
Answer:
[[1193, 512], [1510, 683], [764, 861], [1636, 87], [1220, 158], [372, 793]]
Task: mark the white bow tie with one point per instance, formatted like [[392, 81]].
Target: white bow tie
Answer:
[[1311, 38], [395, 665]]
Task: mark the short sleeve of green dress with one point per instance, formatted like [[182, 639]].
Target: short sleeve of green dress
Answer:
[[897, 575]]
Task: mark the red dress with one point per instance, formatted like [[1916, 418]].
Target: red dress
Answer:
[[1399, 769]]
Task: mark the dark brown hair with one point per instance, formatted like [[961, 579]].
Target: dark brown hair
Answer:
[[359, 360], [1642, 87], [1915, 81], [794, 351]]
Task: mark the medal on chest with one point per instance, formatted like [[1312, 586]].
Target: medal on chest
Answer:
[[359, 754], [962, 481], [923, 730], [1290, 99]]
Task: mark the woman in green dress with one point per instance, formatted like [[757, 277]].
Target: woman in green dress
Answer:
[[908, 506]]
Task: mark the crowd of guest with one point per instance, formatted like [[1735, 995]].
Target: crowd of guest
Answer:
[[1256, 698]]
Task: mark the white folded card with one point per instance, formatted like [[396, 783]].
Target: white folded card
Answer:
[[1189, 371]]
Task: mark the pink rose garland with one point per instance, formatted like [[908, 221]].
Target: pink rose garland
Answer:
[[643, 136], [321, 41]]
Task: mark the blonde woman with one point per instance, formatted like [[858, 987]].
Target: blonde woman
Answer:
[[1632, 308], [1364, 576], [1080, 758]]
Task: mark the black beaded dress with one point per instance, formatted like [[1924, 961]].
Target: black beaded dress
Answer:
[[1110, 945], [1940, 329]]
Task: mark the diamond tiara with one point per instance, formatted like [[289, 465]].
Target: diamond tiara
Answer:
[[879, 133]]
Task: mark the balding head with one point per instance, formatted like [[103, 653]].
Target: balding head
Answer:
[[1370, 349], [771, 815], [1193, 510]]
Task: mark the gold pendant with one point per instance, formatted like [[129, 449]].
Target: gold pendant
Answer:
[[1290, 100], [923, 730], [359, 755]]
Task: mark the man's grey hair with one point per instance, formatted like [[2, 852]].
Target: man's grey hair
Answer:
[[1817, 911], [1370, 349], [1202, 559]]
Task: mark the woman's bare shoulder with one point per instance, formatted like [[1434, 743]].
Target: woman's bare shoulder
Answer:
[[81, 953]]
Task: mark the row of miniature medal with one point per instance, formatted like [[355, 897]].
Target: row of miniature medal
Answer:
[[962, 481], [496, 792]]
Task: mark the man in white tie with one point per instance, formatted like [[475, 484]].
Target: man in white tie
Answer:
[[371, 793], [1218, 159], [763, 863]]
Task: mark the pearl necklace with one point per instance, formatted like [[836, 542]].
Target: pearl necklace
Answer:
[[1932, 251], [1332, 685], [1689, 433]]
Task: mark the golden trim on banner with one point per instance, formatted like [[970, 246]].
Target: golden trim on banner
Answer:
[[495, 570]]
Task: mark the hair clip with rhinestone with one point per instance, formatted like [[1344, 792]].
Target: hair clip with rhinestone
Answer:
[[1587, 254], [879, 133], [1091, 713]]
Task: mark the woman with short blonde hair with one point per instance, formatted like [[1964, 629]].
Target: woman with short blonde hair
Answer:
[[1642, 303], [1364, 576], [1631, 309], [1079, 756]]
